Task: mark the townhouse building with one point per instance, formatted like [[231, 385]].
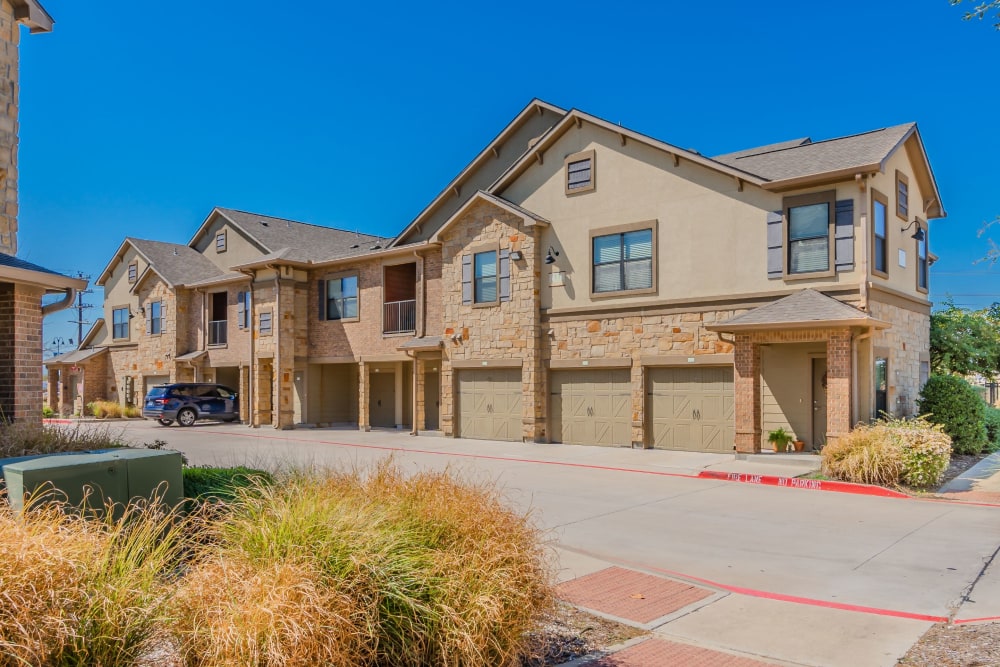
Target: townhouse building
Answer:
[[577, 282]]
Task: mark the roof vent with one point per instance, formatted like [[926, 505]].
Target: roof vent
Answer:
[[175, 251], [356, 245], [263, 223], [288, 223], [375, 247]]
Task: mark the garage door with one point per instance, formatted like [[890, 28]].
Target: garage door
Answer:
[[151, 381], [489, 404], [691, 408], [592, 407]]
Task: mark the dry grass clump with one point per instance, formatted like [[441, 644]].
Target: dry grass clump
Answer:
[[78, 589], [367, 569], [26, 439], [113, 410], [890, 453]]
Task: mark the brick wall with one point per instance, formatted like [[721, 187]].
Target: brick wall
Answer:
[[9, 39], [20, 352]]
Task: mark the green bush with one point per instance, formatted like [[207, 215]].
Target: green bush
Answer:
[[992, 428], [952, 402], [48, 412], [222, 483], [890, 453]]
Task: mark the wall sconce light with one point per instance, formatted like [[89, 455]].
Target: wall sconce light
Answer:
[[917, 235], [142, 310], [516, 255], [550, 256]]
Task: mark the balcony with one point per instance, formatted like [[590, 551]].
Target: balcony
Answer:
[[217, 332], [399, 317]]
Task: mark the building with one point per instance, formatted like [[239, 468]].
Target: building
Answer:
[[22, 284], [577, 282]]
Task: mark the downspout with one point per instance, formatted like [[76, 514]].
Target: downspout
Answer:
[[854, 370], [61, 304], [253, 301], [413, 394], [423, 300], [865, 231]]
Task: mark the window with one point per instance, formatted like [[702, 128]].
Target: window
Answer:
[[264, 324], [133, 272], [243, 310], [622, 261], [902, 195], [809, 233], [485, 277], [220, 242], [120, 318], [881, 386], [580, 172], [155, 318], [342, 298], [880, 245], [922, 262]]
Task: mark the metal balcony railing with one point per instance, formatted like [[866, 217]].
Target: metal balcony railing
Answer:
[[399, 316], [217, 332]]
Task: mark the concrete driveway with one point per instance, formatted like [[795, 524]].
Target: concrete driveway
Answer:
[[802, 577]]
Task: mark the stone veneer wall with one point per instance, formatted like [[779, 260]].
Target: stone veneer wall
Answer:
[[10, 36], [908, 342], [507, 331], [20, 352]]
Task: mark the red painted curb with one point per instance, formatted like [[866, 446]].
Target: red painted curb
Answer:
[[796, 483], [59, 421], [985, 619]]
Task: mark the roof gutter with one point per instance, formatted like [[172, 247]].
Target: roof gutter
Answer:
[[808, 324], [398, 251], [61, 304], [821, 178]]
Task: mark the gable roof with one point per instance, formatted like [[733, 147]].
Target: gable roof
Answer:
[[176, 264], [292, 240], [534, 106], [802, 310], [530, 219], [779, 162], [76, 356]]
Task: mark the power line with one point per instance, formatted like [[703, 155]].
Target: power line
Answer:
[[80, 307]]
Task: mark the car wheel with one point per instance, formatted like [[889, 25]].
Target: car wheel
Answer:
[[186, 417], [165, 422]]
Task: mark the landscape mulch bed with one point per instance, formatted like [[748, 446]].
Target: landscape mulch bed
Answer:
[[956, 646], [569, 633]]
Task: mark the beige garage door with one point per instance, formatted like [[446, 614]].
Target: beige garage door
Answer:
[[489, 404], [592, 407], [691, 408]]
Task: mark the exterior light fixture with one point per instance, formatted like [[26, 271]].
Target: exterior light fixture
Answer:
[[550, 256], [917, 235]]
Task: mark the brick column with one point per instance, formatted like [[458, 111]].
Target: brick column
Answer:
[[20, 353], [52, 390], [419, 378], [747, 390], [364, 419], [838, 384]]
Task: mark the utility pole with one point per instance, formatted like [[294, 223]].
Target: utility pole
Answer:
[[80, 307]]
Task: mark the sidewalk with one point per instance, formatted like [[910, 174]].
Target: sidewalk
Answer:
[[980, 483]]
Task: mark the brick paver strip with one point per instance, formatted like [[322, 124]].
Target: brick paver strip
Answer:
[[663, 653], [629, 594]]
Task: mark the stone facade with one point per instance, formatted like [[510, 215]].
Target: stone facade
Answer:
[[10, 36], [907, 344]]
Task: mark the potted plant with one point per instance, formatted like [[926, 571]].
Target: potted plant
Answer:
[[779, 439], [799, 444]]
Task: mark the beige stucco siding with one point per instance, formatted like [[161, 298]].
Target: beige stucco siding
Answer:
[[239, 249], [117, 291], [900, 278], [786, 388], [712, 238]]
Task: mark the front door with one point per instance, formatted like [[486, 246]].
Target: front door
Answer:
[[819, 402], [432, 401], [382, 404]]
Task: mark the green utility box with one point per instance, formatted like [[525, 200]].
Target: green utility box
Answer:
[[117, 475]]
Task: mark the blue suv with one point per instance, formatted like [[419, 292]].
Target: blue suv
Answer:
[[187, 402]]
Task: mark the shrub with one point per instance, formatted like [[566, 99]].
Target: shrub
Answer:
[[366, 568], [222, 483], [952, 402], [78, 590], [992, 422], [25, 439], [105, 409], [132, 411], [48, 412], [889, 453]]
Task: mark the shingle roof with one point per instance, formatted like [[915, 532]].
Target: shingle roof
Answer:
[[15, 263], [175, 263], [793, 159], [303, 242], [506, 202], [425, 343], [802, 309], [76, 356]]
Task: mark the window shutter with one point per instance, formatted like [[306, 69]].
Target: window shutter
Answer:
[[844, 235], [775, 246], [163, 317], [505, 275], [321, 286], [466, 280], [241, 309], [149, 319]]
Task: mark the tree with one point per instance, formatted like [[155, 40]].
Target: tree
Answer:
[[981, 10], [993, 250], [964, 342]]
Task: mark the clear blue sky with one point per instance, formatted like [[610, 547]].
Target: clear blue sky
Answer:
[[138, 117]]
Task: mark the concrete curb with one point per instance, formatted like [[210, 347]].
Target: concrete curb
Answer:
[[808, 484]]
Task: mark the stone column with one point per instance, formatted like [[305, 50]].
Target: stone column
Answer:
[[284, 386], [747, 390], [52, 390], [262, 388], [447, 416], [838, 384], [638, 406], [364, 418], [419, 381], [525, 287]]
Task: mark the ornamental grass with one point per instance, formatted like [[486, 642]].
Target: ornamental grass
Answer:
[[364, 568]]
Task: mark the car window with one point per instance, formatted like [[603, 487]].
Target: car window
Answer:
[[183, 391], [156, 392], [225, 393]]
